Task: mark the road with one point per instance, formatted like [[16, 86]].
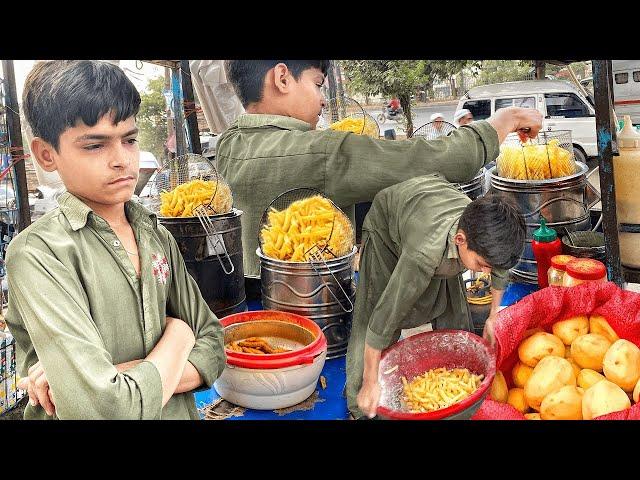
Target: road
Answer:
[[421, 115]]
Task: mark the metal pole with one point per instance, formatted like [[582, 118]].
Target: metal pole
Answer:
[[607, 148], [188, 99], [15, 142], [178, 112]]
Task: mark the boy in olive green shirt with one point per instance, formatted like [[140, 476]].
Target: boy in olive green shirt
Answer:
[[107, 320], [274, 146], [418, 238]]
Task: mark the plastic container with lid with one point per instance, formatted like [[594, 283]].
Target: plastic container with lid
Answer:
[[583, 270], [545, 245], [556, 272]]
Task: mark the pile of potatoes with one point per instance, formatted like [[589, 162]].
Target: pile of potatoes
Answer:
[[580, 371]]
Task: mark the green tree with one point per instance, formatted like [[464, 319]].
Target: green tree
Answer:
[[152, 119], [398, 78], [498, 71]]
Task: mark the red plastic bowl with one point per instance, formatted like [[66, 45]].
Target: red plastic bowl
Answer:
[[304, 355], [441, 348]]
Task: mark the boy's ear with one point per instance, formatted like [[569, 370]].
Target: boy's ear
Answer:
[[45, 154], [460, 237], [282, 78]]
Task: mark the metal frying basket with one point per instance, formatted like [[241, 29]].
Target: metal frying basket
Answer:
[[433, 130], [342, 108]]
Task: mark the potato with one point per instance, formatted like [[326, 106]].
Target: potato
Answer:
[[499, 391], [636, 392], [587, 378], [588, 350], [571, 328], [621, 364], [532, 416], [604, 397], [517, 401], [551, 374], [538, 346], [576, 367], [520, 374], [564, 404], [598, 324]]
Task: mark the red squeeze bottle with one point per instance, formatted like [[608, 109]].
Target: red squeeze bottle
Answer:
[[545, 245]]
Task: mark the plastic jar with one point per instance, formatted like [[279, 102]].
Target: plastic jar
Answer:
[[557, 269], [583, 270]]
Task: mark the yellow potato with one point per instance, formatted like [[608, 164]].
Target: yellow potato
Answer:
[[576, 367], [636, 392], [598, 324], [532, 416], [587, 378], [564, 404], [604, 397], [588, 350], [538, 346], [499, 391], [621, 364], [520, 374], [516, 400], [571, 328], [550, 374]]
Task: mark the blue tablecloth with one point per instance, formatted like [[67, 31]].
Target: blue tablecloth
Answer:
[[331, 404]]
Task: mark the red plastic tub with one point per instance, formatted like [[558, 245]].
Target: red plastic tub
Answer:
[[441, 348], [300, 356]]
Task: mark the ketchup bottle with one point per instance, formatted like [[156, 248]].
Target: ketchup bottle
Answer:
[[545, 245]]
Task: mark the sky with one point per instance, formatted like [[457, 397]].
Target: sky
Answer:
[[139, 77]]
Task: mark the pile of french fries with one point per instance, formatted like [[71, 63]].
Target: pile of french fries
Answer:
[[360, 126], [438, 388], [184, 199], [535, 162], [292, 233]]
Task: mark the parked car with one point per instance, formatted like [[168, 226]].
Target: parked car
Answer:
[[561, 103]]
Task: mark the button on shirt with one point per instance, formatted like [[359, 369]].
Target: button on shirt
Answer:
[[77, 305]]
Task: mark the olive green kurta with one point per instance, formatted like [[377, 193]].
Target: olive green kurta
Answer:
[[77, 305], [262, 156], [410, 271]]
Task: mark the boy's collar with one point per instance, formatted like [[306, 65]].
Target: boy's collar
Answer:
[[77, 212], [253, 120]]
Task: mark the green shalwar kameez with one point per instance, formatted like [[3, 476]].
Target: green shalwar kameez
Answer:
[[410, 272]]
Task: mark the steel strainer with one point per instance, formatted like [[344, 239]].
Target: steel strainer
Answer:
[[190, 186], [432, 130], [286, 233]]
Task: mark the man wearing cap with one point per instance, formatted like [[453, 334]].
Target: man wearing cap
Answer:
[[462, 117], [437, 119]]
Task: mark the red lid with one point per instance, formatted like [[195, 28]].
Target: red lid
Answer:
[[586, 269], [559, 262]]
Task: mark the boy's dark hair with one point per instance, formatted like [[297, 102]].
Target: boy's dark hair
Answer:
[[59, 93], [247, 76], [495, 230]]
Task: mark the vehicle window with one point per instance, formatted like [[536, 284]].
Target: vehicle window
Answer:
[[480, 109], [522, 102], [622, 78], [636, 76], [566, 105]]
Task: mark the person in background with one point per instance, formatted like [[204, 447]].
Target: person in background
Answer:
[[394, 104], [462, 117]]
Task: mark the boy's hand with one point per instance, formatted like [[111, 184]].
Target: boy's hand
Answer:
[[526, 121], [488, 330], [37, 387], [368, 398]]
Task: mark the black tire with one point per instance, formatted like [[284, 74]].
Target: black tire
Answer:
[[579, 155], [381, 118]]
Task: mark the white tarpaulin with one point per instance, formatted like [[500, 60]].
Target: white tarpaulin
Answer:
[[219, 102]]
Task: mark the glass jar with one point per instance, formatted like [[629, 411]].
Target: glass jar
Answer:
[[557, 269], [583, 270]]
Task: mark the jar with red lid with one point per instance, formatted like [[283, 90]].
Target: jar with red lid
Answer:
[[583, 270], [557, 269]]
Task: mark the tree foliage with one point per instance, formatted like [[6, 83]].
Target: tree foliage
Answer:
[[152, 119]]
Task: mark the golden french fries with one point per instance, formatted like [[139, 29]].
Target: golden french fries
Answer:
[[360, 126], [184, 199], [535, 162], [290, 234], [438, 388]]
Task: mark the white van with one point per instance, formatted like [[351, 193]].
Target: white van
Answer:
[[626, 88], [561, 103]]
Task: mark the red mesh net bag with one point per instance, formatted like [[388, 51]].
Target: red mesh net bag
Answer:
[[542, 309]]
